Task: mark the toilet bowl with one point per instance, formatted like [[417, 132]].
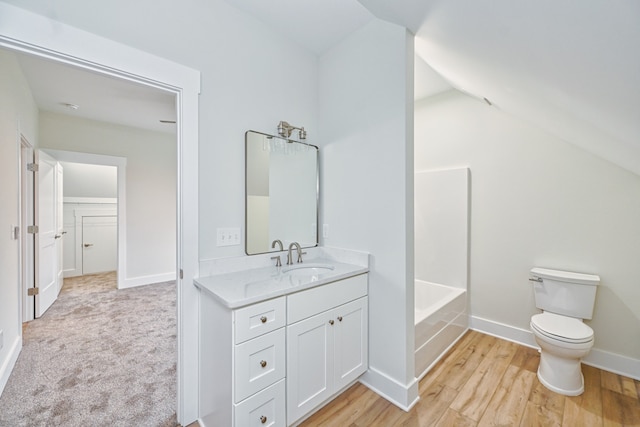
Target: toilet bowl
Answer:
[[565, 299], [563, 342]]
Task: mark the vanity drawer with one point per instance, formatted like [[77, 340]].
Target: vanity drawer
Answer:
[[316, 300], [258, 363], [260, 318], [266, 408]]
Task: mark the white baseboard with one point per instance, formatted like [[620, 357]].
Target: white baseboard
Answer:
[[10, 361], [146, 280], [72, 272], [616, 363], [503, 331], [403, 396], [612, 362]]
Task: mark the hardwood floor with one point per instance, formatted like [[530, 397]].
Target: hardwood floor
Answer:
[[486, 381]]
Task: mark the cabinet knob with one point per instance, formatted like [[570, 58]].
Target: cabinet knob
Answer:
[[263, 319], [340, 318], [263, 419], [263, 363], [331, 322]]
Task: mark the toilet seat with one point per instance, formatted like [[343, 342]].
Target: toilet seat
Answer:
[[561, 328]]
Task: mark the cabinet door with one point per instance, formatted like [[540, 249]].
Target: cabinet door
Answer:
[[310, 350], [351, 338]]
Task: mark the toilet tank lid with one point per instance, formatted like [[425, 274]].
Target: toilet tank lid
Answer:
[[566, 276]]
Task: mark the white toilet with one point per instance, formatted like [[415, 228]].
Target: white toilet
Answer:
[[565, 299]]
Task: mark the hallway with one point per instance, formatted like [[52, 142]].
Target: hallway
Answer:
[[99, 356]]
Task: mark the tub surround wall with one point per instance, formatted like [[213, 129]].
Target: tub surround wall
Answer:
[[539, 201], [442, 259], [442, 226]]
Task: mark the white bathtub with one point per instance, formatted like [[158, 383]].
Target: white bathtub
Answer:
[[441, 319]]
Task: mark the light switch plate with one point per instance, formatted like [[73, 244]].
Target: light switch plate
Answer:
[[228, 236]]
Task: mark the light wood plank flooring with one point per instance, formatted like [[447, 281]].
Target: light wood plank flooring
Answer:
[[486, 381]]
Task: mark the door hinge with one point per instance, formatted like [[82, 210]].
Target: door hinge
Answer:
[[33, 291], [181, 274], [32, 167], [32, 229]]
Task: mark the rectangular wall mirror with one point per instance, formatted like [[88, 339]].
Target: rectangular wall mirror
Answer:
[[281, 192]]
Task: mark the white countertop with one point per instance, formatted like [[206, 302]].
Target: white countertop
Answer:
[[240, 288]]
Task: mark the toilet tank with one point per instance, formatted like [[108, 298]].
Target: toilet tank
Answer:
[[564, 292]]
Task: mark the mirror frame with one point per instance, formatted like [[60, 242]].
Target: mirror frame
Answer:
[[317, 188]]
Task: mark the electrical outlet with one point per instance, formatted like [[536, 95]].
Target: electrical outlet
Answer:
[[325, 230], [228, 236]]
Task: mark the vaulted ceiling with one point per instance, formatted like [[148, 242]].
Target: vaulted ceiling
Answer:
[[571, 68]]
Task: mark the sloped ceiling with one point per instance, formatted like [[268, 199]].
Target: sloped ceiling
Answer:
[[572, 68], [569, 67]]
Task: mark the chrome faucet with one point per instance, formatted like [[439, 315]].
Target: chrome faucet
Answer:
[[277, 257], [297, 246]]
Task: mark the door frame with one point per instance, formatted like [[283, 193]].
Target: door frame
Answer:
[[121, 165], [27, 32], [26, 259]]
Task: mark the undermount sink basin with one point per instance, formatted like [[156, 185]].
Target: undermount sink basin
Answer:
[[307, 270]]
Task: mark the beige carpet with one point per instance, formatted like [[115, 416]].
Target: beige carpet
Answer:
[[98, 357]]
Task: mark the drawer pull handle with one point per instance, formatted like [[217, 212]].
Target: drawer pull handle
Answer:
[[263, 419], [263, 319], [340, 318], [263, 363], [331, 322]]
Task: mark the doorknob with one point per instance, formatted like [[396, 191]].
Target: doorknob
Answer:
[[86, 245]]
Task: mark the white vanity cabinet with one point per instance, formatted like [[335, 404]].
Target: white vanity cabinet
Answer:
[[272, 362], [242, 364], [326, 343]]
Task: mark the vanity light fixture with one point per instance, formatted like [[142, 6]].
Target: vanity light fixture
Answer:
[[285, 129]]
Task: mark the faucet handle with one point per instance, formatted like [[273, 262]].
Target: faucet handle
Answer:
[[300, 255], [278, 261]]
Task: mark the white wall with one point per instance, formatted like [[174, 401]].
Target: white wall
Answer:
[[244, 68], [538, 201], [82, 180], [150, 184], [366, 112], [252, 77], [18, 114]]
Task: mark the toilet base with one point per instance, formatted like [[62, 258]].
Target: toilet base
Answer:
[[561, 375]]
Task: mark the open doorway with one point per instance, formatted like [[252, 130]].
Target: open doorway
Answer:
[[90, 219], [85, 51]]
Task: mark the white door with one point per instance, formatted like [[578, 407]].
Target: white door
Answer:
[[99, 244], [47, 237], [309, 364], [59, 225], [351, 348]]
